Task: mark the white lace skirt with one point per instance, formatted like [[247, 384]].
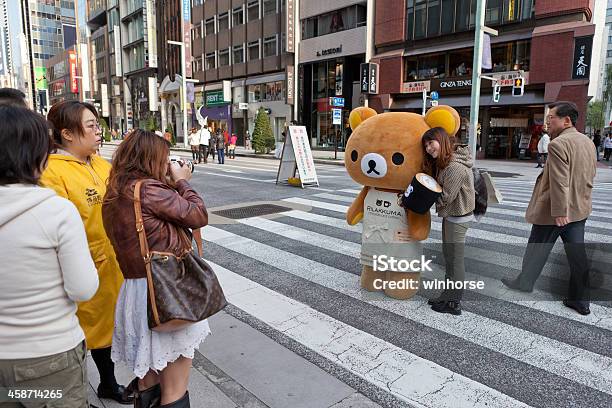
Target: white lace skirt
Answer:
[[140, 348]]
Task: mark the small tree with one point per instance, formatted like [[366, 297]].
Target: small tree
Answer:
[[595, 115], [151, 124], [106, 134], [263, 138]]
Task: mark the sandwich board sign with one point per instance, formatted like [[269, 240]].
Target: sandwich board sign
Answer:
[[297, 156]]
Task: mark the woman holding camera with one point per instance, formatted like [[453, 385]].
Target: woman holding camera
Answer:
[[451, 166], [47, 269], [161, 360], [78, 174]]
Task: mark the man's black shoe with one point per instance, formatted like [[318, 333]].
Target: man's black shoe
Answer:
[[514, 284], [117, 393], [451, 307], [432, 302], [577, 306]]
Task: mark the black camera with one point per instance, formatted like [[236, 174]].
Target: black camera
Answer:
[[183, 162]]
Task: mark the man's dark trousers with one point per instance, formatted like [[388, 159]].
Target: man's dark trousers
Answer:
[[541, 242]]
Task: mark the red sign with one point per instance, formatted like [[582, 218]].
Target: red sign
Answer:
[[72, 62]]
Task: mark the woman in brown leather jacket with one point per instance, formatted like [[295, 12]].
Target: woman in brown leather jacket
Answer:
[[161, 360]]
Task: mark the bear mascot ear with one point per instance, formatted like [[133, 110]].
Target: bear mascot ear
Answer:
[[445, 117], [358, 115]]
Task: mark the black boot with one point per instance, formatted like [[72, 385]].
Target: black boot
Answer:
[[149, 398], [181, 403], [452, 307]]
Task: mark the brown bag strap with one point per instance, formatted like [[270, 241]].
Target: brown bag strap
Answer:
[[142, 236]]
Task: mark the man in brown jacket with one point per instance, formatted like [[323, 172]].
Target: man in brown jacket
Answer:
[[560, 206]]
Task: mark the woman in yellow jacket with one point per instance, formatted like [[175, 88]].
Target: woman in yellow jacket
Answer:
[[76, 173]]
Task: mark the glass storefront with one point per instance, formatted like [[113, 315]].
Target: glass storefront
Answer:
[[324, 80]]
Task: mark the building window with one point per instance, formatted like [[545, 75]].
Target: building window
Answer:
[[269, 7], [223, 21], [253, 49], [253, 10], [238, 55], [197, 64], [609, 54], [224, 57], [269, 47], [430, 18], [335, 21], [196, 33], [209, 26], [210, 61], [237, 16]]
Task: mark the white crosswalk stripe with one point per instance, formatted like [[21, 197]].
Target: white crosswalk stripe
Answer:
[[397, 369]]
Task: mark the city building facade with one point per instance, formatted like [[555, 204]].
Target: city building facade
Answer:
[[62, 76], [139, 62], [243, 59], [6, 60], [49, 29], [427, 45]]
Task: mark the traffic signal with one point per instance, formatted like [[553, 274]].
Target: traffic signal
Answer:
[[518, 88], [496, 93]]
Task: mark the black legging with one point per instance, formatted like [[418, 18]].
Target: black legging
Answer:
[[106, 367]]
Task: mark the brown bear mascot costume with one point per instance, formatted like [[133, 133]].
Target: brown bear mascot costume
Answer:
[[383, 154]]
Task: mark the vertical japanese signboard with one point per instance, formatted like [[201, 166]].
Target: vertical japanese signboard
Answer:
[[72, 67], [581, 66], [187, 37], [290, 39], [105, 101], [368, 78], [118, 50]]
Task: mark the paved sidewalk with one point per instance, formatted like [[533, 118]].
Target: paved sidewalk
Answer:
[[237, 366]]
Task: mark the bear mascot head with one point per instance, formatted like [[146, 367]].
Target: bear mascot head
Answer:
[[383, 154]]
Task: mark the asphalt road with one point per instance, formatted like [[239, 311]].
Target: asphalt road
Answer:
[[294, 276]]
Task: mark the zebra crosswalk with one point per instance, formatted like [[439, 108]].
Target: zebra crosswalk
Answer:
[[297, 276]]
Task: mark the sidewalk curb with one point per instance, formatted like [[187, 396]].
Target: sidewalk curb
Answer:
[[338, 162]]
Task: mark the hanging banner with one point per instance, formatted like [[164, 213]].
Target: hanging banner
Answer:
[[84, 54], [150, 33], [72, 66], [118, 50], [187, 37], [297, 155], [104, 95], [153, 94]]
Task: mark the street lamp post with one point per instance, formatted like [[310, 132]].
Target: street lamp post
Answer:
[[184, 88]]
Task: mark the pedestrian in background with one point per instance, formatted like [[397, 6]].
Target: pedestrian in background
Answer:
[[451, 166], [204, 144], [47, 270], [560, 205], [247, 140], [226, 139], [194, 143], [607, 147], [76, 173], [597, 142], [220, 146], [160, 360], [232, 146], [543, 149], [212, 144]]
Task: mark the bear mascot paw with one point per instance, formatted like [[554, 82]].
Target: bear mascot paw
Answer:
[[383, 154]]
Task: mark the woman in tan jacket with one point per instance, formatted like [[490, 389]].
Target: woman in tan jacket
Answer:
[[451, 166]]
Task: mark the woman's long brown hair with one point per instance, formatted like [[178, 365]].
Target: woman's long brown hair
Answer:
[[432, 166], [141, 155]]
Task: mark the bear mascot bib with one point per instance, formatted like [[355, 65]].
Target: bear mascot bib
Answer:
[[383, 154]]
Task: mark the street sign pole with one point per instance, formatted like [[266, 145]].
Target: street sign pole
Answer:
[[476, 69], [424, 101]]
